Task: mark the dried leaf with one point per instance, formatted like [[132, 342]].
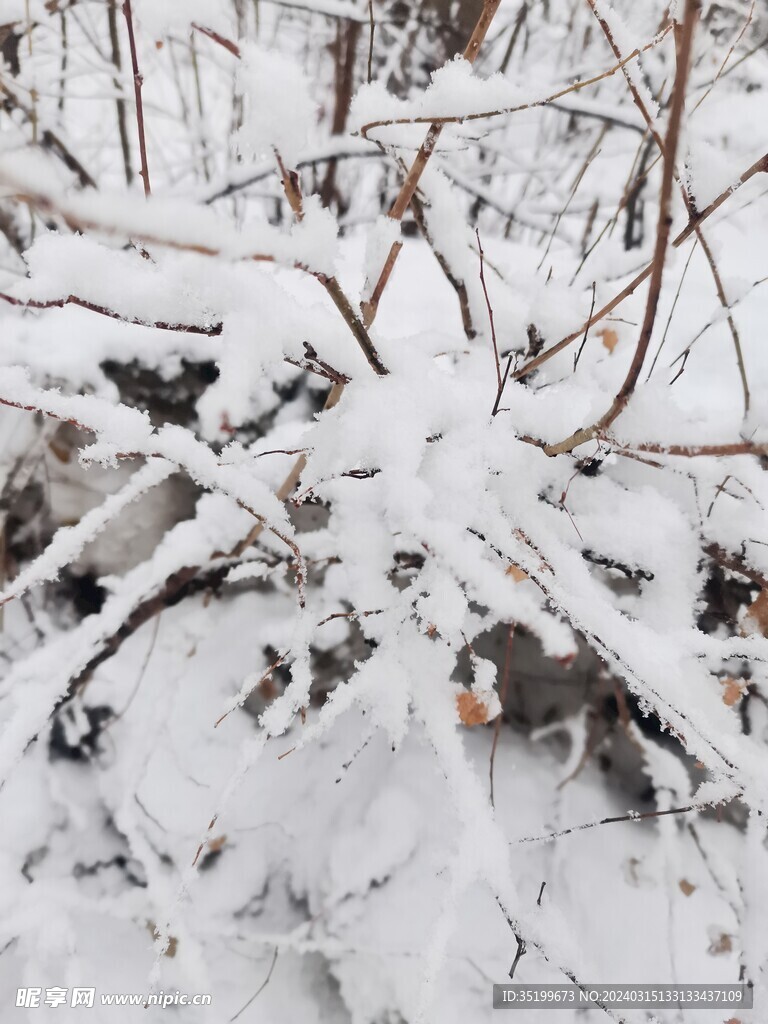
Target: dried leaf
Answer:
[[62, 452], [215, 845], [472, 711], [733, 690], [517, 574], [685, 887], [721, 945], [756, 619], [610, 338], [173, 942]]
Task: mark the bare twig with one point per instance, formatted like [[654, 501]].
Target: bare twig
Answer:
[[122, 127], [489, 307], [693, 451], [642, 107], [458, 285], [138, 81], [260, 989], [427, 148], [662, 239], [371, 35], [736, 564], [759, 166], [586, 329], [228, 45], [503, 691], [74, 300], [482, 115], [632, 816]]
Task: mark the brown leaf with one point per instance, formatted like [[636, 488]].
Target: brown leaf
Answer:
[[517, 574], [62, 452], [472, 711], [721, 945], [733, 690], [172, 941], [685, 887], [756, 619], [215, 845], [610, 338]]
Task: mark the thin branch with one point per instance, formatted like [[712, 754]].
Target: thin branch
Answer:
[[260, 989], [122, 127], [370, 40], [586, 329], [662, 240], [734, 44], [482, 115], [74, 300], [502, 385], [759, 166], [458, 285], [138, 81], [730, 561], [490, 312], [632, 816], [228, 45], [48, 139], [503, 691], [672, 310], [719, 287], [427, 148], [693, 451]]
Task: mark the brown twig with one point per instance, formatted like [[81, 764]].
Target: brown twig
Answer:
[[228, 45], [421, 218], [371, 35], [503, 384], [690, 18], [586, 329], [355, 324], [503, 691], [632, 816], [260, 989], [48, 139], [719, 287], [722, 298], [122, 127], [693, 451], [489, 307], [138, 81], [275, 665], [734, 44], [482, 115], [346, 52], [74, 300], [759, 166], [730, 561], [412, 178]]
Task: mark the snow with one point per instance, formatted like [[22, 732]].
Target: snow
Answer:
[[244, 615], [279, 111]]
